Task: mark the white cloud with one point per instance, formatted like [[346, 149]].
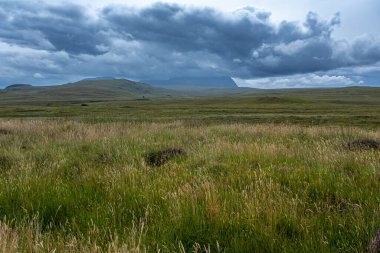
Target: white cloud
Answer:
[[298, 81], [360, 70], [38, 76]]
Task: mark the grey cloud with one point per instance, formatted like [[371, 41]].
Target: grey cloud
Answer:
[[319, 27], [193, 29], [246, 40], [65, 27], [366, 49]]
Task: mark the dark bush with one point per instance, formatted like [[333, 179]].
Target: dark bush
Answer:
[[84, 105], [365, 144], [159, 158], [4, 131]]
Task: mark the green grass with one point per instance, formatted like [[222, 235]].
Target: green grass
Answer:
[[84, 187], [313, 108], [263, 173]]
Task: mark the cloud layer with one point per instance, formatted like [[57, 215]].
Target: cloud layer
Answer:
[[300, 81], [41, 42]]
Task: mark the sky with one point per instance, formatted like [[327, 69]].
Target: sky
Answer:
[[259, 43]]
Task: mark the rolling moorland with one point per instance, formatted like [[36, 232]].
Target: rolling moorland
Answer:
[[85, 167]]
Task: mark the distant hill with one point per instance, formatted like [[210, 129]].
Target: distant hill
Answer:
[[120, 89], [18, 87], [85, 90], [220, 82]]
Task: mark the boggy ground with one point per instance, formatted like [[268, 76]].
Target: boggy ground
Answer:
[[68, 186]]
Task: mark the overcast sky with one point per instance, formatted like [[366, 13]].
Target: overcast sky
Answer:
[[260, 43]]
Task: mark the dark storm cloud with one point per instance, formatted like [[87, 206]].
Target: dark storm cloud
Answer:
[[165, 40], [194, 29], [246, 40], [55, 27]]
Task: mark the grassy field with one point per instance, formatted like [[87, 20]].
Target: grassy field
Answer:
[[356, 107], [262, 174]]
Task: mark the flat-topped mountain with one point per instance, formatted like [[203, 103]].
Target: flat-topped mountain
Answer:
[[100, 78], [219, 82]]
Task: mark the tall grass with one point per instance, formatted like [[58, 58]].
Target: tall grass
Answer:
[[77, 187]]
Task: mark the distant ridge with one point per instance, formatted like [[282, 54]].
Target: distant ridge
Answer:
[[123, 89], [208, 82], [84, 90]]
